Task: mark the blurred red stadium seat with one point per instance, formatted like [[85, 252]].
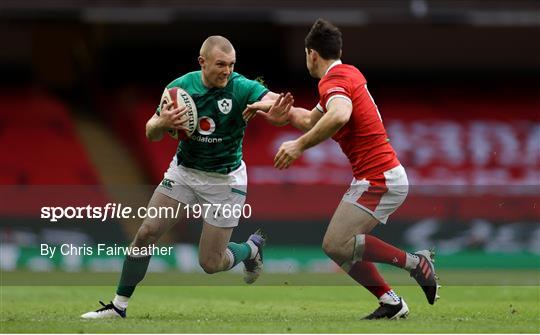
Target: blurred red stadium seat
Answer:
[[39, 142]]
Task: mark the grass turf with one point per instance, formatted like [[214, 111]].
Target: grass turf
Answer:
[[268, 309]]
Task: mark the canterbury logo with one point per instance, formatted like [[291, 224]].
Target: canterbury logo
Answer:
[[167, 183]]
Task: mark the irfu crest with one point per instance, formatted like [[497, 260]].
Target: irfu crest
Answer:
[[225, 105]]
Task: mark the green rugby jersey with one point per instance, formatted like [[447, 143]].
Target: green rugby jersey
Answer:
[[216, 144]]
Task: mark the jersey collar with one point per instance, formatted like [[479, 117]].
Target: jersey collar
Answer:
[[337, 62]]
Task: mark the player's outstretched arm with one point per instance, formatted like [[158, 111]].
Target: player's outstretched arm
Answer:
[[338, 114], [168, 118], [281, 111], [304, 119]]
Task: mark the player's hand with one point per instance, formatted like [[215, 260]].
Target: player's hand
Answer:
[[251, 110], [288, 152], [174, 118], [276, 112]]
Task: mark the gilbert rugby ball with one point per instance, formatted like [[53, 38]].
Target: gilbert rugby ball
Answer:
[[181, 98]]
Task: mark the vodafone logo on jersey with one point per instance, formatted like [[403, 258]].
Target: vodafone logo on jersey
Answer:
[[206, 125]]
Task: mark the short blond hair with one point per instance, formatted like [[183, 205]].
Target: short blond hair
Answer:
[[215, 41]]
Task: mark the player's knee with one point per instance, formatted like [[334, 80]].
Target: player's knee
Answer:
[[146, 234], [210, 264], [331, 249]]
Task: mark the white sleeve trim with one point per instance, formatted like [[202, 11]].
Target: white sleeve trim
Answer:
[[319, 107], [338, 96]]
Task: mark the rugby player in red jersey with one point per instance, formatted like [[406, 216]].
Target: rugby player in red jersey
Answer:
[[347, 113]]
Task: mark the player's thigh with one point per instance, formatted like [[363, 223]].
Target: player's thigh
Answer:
[[162, 213], [222, 197], [348, 220], [213, 241]]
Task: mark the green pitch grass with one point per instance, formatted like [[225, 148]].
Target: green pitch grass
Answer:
[[268, 309]]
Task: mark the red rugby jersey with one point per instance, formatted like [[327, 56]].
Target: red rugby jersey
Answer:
[[363, 138]]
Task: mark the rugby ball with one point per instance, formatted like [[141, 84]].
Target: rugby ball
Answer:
[[179, 97]]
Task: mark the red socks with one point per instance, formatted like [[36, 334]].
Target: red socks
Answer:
[[378, 251], [367, 275]]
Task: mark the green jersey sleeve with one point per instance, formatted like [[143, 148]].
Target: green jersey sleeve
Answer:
[[252, 89]]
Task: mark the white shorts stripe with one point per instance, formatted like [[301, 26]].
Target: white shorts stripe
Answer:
[[379, 196]]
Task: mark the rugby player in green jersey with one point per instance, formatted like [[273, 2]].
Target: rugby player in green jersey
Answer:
[[206, 170]]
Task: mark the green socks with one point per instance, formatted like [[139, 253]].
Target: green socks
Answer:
[[237, 252], [134, 268], [132, 273]]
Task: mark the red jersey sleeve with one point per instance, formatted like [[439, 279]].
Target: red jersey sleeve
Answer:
[[333, 86]]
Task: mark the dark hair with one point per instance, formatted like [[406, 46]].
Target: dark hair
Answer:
[[325, 38]]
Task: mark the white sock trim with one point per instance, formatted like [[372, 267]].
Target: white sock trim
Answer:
[[359, 243], [254, 249], [390, 298], [411, 261], [120, 301], [230, 257], [137, 256]]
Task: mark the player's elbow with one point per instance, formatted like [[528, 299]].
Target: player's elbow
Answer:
[[148, 133], [341, 119], [308, 124], [340, 111], [152, 134]]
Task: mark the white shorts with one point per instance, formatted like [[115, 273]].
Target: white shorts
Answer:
[[381, 194], [190, 187]]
